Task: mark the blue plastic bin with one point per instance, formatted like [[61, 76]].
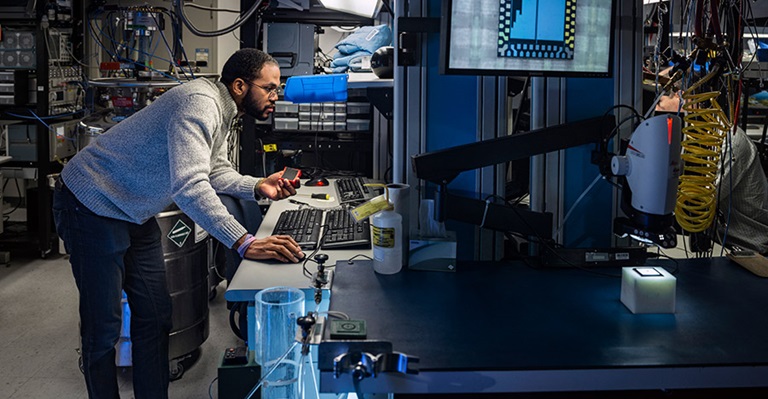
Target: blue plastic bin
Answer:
[[316, 88]]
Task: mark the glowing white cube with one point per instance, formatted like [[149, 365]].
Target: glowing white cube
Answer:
[[648, 289]]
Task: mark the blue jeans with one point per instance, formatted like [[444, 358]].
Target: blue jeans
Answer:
[[109, 256], [248, 214]]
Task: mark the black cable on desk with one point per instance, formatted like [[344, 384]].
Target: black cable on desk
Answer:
[[309, 257]]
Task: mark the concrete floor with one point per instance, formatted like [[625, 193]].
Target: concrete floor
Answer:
[[39, 336]]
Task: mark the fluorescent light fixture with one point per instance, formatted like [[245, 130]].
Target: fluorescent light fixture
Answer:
[[363, 8]]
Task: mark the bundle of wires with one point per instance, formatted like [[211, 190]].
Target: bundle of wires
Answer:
[[711, 103]]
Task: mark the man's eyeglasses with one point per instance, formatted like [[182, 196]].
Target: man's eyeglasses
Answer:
[[276, 91]]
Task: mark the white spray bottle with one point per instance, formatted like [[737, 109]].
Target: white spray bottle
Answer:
[[386, 231]]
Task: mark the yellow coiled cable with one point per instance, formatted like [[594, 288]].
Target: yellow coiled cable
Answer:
[[704, 132]]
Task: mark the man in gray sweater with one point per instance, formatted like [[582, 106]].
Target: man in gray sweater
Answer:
[[172, 151]]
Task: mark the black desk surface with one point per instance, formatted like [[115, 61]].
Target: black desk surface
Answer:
[[499, 317]]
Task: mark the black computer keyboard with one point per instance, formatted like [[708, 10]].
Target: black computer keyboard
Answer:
[[351, 189], [342, 231], [301, 224]]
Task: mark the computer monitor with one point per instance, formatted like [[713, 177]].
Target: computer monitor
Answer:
[[758, 13], [527, 37], [17, 9]]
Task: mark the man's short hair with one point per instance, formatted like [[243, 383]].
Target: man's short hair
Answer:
[[245, 64]]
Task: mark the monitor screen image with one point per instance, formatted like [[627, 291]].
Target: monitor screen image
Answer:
[[544, 30], [527, 37]]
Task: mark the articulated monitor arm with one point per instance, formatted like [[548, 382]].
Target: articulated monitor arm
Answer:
[[442, 166]]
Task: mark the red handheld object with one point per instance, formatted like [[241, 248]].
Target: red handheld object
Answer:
[[292, 175]]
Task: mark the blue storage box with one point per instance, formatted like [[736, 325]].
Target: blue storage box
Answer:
[[316, 88], [762, 54], [762, 51]]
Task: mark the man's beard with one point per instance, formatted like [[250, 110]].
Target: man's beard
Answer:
[[252, 109]]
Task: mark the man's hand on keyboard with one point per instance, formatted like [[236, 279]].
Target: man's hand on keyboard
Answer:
[[275, 187], [282, 248]]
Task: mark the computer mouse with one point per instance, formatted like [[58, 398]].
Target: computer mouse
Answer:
[[317, 181]]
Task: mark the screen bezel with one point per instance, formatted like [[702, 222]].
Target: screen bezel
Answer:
[[18, 11], [446, 69]]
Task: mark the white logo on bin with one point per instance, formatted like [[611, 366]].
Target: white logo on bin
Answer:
[[179, 233]]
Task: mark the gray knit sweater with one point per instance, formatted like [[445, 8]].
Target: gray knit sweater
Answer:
[[172, 151]]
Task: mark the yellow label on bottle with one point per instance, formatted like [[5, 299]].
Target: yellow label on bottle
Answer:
[[383, 236], [368, 208]]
